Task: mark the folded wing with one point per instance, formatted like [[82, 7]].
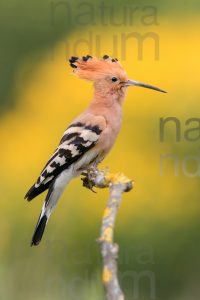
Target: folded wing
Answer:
[[78, 138]]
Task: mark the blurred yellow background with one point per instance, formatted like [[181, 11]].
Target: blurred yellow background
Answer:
[[158, 222]]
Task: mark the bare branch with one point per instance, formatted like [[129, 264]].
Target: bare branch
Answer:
[[117, 184]]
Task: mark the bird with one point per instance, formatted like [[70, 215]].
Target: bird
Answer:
[[90, 137]]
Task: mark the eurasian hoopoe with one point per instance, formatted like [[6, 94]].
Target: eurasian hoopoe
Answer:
[[90, 136]]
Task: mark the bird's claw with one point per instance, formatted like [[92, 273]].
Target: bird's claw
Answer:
[[88, 179], [88, 184]]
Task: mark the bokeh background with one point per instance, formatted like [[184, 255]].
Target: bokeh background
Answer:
[[158, 223]]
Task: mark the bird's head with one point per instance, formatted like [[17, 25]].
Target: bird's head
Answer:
[[107, 73]]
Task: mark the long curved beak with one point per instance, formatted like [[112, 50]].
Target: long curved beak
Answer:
[[147, 86]]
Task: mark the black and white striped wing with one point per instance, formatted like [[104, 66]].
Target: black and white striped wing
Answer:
[[76, 141]]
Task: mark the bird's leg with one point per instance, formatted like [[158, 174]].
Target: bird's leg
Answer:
[[89, 176]]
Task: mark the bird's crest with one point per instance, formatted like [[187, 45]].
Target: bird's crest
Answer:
[[92, 68]]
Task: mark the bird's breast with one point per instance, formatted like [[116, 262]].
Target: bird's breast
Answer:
[[110, 133]]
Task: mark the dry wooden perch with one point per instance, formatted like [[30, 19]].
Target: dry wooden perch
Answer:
[[117, 184]]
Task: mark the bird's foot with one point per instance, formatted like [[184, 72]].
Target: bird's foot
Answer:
[[89, 178]]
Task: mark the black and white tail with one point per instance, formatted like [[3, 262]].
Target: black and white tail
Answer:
[[39, 230], [54, 193], [48, 207]]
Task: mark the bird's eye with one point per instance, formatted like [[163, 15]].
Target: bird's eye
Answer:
[[114, 79]]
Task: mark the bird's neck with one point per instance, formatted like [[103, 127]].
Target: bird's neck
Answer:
[[108, 99], [107, 105]]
